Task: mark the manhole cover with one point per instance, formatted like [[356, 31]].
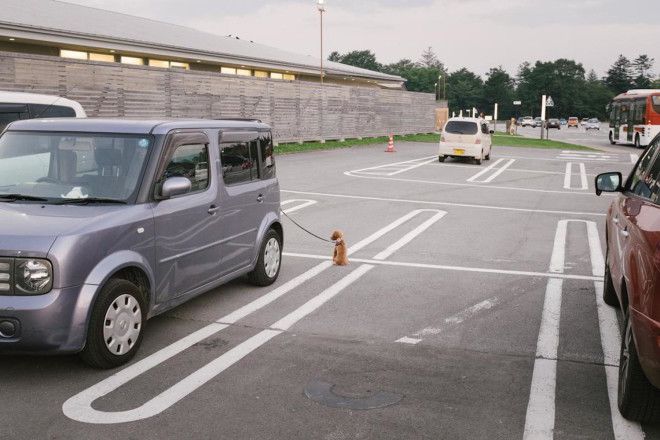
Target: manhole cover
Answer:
[[321, 392]]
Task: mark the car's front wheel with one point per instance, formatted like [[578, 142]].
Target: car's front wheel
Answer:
[[116, 325], [270, 258], [638, 399]]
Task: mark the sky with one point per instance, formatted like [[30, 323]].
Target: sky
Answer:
[[477, 34]]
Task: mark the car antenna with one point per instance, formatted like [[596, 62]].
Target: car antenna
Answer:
[[55, 102]]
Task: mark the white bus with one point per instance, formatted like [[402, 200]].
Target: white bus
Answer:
[[635, 117]]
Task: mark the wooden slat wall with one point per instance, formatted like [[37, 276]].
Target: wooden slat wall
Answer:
[[297, 110]]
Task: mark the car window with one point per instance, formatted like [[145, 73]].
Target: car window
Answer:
[[653, 180], [461, 127], [638, 183], [655, 100], [267, 156], [239, 161], [192, 162], [12, 112], [484, 128], [51, 111]]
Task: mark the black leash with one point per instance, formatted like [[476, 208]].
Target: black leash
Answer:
[[309, 232]]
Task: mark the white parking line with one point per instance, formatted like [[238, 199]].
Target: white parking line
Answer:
[[303, 203], [79, 407], [410, 235], [434, 203], [511, 170], [391, 169], [499, 171], [485, 170], [569, 174]]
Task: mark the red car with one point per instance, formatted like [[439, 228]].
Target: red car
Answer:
[[632, 281]]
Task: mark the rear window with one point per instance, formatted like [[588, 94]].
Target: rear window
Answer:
[[461, 127], [51, 111]]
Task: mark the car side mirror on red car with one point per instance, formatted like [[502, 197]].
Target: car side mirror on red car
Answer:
[[609, 182]]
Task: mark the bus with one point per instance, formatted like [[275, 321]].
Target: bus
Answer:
[[635, 117]]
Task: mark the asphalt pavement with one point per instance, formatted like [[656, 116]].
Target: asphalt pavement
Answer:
[[471, 310]]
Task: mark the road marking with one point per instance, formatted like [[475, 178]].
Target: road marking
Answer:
[[427, 202], [474, 185], [485, 170], [569, 174], [557, 159], [79, 407], [511, 170], [391, 169], [458, 318], [410, 235], [499, 171], [634, 158], [451, 268], [303, 203]]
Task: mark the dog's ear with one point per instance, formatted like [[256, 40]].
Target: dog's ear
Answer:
[[335, 235]]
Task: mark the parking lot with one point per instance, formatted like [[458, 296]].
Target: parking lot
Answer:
[[471, 309]]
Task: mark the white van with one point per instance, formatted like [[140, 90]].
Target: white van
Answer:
[[466, 137], [16, 105]]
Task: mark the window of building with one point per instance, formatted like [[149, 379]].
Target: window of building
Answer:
[[179, 65], [135, 61], [228, 70], [244, 72], [104, 57], [289, 77], [261, 74], [275, 75], [73, 54], [192, 162], [159, 63]]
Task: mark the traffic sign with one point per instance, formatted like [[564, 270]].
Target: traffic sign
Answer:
[[517, 102], [549, 102]]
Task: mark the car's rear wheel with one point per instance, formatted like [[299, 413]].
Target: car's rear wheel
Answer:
[[638, 399], [116, 325], [269, 262], [477, 160], [609, 294], [612, 141]]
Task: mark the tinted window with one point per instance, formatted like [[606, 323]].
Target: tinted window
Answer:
[[484, 129], [12, 112], [653, 180], [267, 156], [51, 111], [239, 162], [638, 183], [192, 162], [656, 103], [461, 127]]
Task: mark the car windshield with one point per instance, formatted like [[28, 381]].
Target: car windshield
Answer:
[[593, 120], [461, 127], [58, 167]]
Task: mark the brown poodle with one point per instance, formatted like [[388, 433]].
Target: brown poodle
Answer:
[[340, 257]]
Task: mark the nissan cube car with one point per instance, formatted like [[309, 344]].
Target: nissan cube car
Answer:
[[107, 223], [632, 281], [465, 137]]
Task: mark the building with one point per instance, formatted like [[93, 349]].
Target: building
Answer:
[[42, 40]]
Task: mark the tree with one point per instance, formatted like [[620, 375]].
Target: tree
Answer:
[[595, 97], [642, 66], [429, 59], [619, 76], [499, 88], [419, 79], [365, 59], [465, 90]]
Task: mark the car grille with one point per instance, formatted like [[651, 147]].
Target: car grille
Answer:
[[6, 273]]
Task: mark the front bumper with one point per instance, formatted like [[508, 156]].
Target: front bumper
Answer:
[[647, 340], [52, 323], [450, 149]]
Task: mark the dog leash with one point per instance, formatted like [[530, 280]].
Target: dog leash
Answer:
[[309, 232]]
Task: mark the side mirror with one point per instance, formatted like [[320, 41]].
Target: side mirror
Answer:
[[175, 186], [609, 182], [492, 132]]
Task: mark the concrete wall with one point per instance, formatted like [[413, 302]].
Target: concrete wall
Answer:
[[297, 110]]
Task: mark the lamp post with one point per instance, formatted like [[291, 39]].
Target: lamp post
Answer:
[[321, 7], [444, 86], [437, 94]]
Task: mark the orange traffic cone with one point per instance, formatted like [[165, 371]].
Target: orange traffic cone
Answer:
[[390, 145]]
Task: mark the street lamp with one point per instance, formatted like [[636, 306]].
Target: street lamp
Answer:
[[321, 7], [444, 86]]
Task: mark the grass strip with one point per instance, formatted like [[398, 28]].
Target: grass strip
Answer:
[[288, 148], [505, 140]]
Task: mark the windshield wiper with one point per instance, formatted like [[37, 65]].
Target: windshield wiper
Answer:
[[87, 200], [15, 197]]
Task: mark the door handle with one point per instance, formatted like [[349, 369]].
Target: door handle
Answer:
[[260, 198], [213, 209]]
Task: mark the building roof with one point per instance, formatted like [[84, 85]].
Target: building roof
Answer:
[[66, 23]]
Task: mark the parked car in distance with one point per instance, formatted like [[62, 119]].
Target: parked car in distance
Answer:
[[563, 121], [15, 106], [632, 281], [537, 121], [573, 122], [105, 223], [553, 123], [583, 121], [592, 124], [527, 121], [466, 137]]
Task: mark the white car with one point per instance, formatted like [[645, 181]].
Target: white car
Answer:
[[466, 137], [16, 105], [527, 121], [592, 124]]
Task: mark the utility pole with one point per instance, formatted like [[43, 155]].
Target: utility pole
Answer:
[[321, 8], [543, 102]]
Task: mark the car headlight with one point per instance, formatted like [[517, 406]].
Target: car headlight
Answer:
[[33, 276]]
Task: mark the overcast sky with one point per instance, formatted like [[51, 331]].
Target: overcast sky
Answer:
[[477, 34]]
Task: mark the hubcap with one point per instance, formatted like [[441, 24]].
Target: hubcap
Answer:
[[122, 324], [272, 257]]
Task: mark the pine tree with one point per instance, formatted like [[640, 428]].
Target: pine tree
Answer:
[[619, 77], [642, 66]]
